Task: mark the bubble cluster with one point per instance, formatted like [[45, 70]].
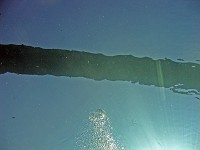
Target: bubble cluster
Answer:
[[99, 134], [102, 136]]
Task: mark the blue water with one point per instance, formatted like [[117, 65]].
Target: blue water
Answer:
[[52, 113], [153, 28]]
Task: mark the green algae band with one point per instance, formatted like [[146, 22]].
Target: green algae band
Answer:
[[21, 59]]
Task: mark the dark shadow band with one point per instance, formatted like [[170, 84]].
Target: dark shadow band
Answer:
[[21, 59]]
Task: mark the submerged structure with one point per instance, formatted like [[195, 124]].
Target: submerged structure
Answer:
[[21, 59]]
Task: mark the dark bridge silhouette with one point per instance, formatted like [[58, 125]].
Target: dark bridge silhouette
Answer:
[[21, 59]]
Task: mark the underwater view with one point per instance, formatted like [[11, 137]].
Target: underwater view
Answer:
[[100, 75]]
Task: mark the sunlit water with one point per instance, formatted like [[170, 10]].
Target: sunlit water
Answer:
[[50, 115]]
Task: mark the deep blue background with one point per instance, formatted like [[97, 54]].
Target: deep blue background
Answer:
[[153, 28]]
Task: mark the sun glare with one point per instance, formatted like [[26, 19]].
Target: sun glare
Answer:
[[165, 147]]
